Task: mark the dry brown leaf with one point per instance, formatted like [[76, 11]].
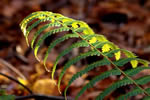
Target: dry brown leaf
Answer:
[[45, 86], [70, 72]]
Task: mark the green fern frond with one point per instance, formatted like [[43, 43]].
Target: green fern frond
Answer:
[[98, 44]]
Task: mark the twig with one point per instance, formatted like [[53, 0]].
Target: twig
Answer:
[[12, 68], [34, 96], [22, 58], [13, 79], [40, 97]]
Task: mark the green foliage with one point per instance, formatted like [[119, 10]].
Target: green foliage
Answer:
[[4, 96], [99, 46], [7, 97]]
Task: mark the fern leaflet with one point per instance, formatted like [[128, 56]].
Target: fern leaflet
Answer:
[[66, 51]]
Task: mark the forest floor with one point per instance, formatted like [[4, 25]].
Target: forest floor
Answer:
[[124, 22]]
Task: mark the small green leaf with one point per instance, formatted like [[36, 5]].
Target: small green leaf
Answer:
[[7, 97]]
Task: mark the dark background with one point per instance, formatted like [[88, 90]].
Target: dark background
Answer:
[[124, 22]]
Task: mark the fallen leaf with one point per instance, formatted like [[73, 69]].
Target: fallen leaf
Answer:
[[45, 86]]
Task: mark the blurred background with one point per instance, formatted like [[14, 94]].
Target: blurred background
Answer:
[[124, 22]]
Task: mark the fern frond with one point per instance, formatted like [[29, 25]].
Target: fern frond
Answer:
[[66, 51], [88, 68], [96, 79], [98, 44]]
